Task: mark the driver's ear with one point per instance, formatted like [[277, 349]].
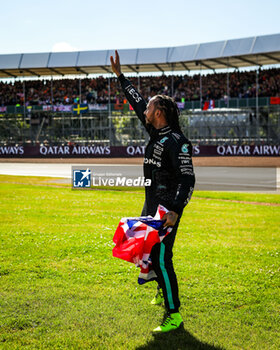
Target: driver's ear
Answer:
[[157, 113]]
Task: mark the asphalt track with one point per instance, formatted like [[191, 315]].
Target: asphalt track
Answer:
[[256, 179]]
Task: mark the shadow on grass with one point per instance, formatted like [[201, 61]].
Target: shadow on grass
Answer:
[[179, 339]]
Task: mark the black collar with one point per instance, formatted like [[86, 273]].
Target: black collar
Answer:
[[163, 131]]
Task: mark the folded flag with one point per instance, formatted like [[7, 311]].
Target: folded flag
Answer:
[[135, 238]]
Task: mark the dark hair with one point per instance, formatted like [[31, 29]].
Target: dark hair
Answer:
[[170, 109]]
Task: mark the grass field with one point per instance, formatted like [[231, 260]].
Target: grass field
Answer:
[[60, 287]]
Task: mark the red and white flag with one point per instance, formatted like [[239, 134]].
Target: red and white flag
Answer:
[[135, 238]]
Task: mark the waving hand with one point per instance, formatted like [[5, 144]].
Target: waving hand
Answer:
[[116, 66]]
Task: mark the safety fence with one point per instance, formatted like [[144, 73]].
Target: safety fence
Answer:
[[115, 128]]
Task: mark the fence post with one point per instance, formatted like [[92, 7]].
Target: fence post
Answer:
[[109, 110], [200, 87], [227, 88], [257, 103], [52, 92]]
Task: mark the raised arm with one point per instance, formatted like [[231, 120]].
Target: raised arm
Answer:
[[133, 96]]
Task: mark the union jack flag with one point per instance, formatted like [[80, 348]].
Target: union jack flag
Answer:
[[134, 239]]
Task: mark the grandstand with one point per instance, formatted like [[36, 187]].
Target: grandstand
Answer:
[[232, 107]]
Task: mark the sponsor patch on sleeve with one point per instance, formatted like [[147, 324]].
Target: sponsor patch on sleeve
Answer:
[[184, 148]]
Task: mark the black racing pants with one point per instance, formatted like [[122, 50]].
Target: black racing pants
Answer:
[[161, 256]]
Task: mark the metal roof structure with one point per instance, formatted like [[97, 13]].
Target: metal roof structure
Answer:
[[253, 51]]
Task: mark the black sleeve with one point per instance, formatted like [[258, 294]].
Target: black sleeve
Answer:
[[180, 155], [135, 99]]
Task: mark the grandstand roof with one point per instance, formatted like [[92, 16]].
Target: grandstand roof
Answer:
[[254, 51]]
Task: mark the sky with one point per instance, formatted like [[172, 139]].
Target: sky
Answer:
[[66, 25]]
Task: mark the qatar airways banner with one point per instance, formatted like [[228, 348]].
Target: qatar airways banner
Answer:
[[96, 151]]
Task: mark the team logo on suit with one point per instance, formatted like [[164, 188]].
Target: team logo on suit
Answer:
[[185, 148]]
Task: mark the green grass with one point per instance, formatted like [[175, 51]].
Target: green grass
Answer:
[[60, 287], [247, 197]]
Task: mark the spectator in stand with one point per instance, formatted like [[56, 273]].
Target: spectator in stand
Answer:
[[214, 86]]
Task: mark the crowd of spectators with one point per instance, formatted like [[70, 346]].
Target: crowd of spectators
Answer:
[[182, 88]]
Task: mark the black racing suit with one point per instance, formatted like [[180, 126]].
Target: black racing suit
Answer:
[[168, 164]]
